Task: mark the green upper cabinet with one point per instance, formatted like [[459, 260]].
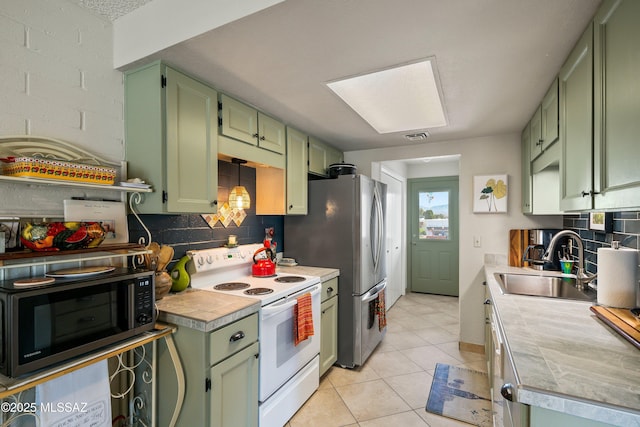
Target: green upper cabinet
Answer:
[[617, 105], [296, 172], [171, 139], [544, 123], [246, 124], [526, 170], [321, 156], [576, 125]]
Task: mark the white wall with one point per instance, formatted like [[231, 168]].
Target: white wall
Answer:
[[57, 80], [478, 156]]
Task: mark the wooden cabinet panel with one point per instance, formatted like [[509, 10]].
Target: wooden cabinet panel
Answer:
[[576, 126], [296, 172], [617, 105], [328, 334], [239, 121], [271, 134], [234, 390], [526, 170], [321, 156], [171, 139]]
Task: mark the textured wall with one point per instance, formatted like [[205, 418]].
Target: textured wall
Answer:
[[57, 80]]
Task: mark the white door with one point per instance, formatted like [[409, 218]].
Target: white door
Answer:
[[395, 215]]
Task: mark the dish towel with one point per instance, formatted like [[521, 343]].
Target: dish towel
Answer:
[[302, 319], [381, 310]]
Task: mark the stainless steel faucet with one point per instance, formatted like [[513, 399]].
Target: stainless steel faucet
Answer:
[[581, 276]]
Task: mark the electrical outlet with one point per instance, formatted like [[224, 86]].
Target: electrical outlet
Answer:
[[477, 241]]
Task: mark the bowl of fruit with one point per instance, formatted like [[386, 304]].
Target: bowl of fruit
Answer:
[[61, 236]]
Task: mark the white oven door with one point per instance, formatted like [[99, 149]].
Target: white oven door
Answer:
[[280, 359]]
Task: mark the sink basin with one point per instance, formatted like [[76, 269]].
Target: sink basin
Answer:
[[544, 286]]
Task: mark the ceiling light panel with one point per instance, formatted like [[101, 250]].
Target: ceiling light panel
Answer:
[[396, 99]]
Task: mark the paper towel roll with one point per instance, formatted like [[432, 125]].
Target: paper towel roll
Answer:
[[617, 277]]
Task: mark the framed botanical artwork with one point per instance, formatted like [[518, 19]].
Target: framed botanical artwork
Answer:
[[490, 193]]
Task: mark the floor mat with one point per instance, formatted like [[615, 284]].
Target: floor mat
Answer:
[[461, 394]]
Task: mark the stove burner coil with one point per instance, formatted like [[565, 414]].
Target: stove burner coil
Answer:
[[231, 286], [290, 279], [258, 291]]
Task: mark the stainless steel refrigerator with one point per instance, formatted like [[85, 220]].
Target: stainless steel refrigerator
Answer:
[[345, 229]]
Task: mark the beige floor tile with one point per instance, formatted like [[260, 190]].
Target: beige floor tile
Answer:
[[404, 419], [392, 388], [412, 388], [391, 363], [324, 381], [386, 345], [404, 339], [434, 420], [426, 357], [372, 399], [436, 335], [324, 408], [342, 376]]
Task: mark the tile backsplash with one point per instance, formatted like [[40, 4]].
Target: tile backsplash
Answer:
[[187, 232], [626, 230]]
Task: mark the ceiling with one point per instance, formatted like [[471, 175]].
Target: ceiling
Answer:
[[495, 59]]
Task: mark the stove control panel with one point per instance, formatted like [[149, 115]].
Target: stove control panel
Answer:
[[219, 258]]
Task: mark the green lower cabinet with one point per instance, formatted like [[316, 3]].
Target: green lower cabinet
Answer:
[[234, 390], [329, 334], [220, 376], [329, 325]]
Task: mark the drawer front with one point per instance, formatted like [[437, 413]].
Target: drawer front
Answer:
[[329, 288], [232, 338]]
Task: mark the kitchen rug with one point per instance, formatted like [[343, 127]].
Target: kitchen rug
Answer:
[[461, 394]]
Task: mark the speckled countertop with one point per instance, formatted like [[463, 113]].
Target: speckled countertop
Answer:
[[203, 310], [324, 273], [566, 359]]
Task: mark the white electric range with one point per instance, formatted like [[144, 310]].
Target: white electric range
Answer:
[[289, 373]]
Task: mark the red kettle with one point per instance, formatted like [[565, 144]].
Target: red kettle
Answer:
[[263, 267]]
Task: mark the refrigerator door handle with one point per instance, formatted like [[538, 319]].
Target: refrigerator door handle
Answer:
[[373, 293], [379, 228]]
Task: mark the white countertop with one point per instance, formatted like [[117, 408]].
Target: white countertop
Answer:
[[566, 359]]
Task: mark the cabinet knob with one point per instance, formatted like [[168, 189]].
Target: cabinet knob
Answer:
[[329, 289], [214, 203], [255, 135], [507, 391], [290, 207], [487, 302], [262, 138]]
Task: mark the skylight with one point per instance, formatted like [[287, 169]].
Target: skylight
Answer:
[[397, 99]]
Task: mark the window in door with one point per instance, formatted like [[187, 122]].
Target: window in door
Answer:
[[433, 215]]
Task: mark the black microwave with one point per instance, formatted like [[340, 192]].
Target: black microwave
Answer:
[[44, 325]]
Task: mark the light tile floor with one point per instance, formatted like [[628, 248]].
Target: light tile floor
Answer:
[[392, 387]]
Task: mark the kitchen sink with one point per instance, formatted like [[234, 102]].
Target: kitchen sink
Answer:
[[544, 286]]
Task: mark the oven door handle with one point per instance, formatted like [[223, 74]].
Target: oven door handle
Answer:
[[287, 303]]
